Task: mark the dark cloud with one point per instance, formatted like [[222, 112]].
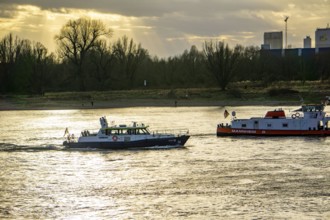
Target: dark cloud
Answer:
[[7, 11], [147, 8], [177, 19]]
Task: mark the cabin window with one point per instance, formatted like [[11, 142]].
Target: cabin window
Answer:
[[269, 125], [243, 125], [285, 125]]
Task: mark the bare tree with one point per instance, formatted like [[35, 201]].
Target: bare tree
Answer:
[[222, 61], [38, 79], [12, 49], [8, 50], [76, 38], [130, 56], [102, 62]]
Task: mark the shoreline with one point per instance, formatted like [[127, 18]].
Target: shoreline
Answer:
[[16, 105], [240, 94]]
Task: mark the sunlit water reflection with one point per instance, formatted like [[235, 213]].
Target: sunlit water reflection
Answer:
[[232, 178]]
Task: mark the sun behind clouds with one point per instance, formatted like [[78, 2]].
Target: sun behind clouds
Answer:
[[168, 28]]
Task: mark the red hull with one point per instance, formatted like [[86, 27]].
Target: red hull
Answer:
[[225, 131]]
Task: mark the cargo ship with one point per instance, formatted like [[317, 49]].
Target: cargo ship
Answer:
[[309, 120]]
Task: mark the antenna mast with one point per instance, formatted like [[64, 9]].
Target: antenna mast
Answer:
[[286, 31]]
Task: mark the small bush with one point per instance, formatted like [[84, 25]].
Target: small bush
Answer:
[[280, 92], [172, 94], [236, 93]]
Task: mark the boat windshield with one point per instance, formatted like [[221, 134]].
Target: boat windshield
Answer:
[[312, 108], [127, 131]]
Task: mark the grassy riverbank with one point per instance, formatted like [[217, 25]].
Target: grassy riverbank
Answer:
[[244, 93]]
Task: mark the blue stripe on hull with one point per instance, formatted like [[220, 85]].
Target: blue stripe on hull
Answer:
[[176, 141]]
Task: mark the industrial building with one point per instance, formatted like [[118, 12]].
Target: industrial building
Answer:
[[322, 37], [273, 40], [308, 42], [273, 43]]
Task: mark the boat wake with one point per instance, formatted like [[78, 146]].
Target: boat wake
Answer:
[[8, 147], [202, 135], [166, 147]]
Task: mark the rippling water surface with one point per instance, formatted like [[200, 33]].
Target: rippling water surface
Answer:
[[211, 178]]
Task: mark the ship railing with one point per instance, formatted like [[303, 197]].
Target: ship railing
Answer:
[[71, 138], [87, 133], [177, 132], [223, 125]]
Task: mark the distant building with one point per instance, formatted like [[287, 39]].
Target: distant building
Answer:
[[274, 40], [308, 42], [322, 37], [265, 46]]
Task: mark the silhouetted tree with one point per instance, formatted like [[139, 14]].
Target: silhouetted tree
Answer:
[[40, 68], [76, 38], [193, 66], [10, 49], [101, 64], [129, 55], [323, 65], [249, 68], [88, 61], [270, 66], [222, 61]]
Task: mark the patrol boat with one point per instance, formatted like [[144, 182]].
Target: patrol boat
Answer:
[[125, 136], [309, 120]]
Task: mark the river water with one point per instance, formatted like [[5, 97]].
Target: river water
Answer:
[[211, 178]]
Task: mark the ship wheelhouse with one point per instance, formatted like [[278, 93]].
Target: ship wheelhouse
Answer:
[[277, 113], [134, 129]]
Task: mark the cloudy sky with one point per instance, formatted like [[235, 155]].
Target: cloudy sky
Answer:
[[167, 28]]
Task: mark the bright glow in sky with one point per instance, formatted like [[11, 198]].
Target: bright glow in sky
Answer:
[[167, 28]]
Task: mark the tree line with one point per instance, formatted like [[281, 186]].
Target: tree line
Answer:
[[87, 60]]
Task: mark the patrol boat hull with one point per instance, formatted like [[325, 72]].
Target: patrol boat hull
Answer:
[[143, 143]]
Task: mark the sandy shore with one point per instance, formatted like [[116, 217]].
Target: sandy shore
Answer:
[[40, 104]]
